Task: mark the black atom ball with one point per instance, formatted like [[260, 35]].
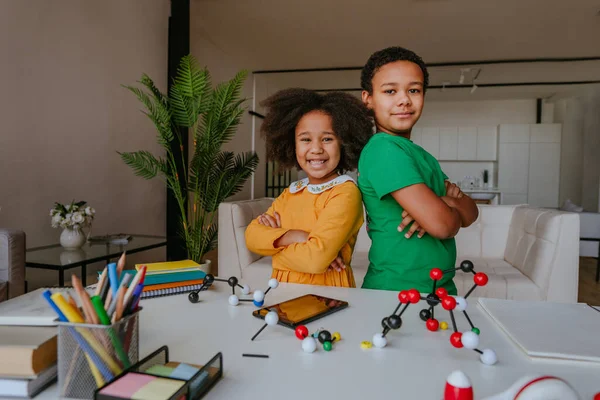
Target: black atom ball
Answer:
[[425, 314], [433, 299], [193, 297], [233, 281], [208, 279], [324, 336], [395, 321], [466, 266]]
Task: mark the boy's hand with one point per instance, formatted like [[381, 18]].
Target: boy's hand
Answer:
[[337, 264], [453, 191], [406, 220], [267, 220]]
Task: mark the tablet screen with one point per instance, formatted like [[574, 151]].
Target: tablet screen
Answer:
[[302, 310]]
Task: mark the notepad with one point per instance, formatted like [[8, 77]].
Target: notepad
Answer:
[[548, 330], [141, 386], [28, 309]]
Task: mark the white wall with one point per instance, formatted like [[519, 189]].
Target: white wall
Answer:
[[476, 113], [64, 114], [580, 163]]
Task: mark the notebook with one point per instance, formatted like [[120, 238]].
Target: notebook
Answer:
[[146, 294], [169, 266], [28, 388], [548, 330], [28, 309]]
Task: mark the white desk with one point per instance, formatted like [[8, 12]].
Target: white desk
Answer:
[[414, 365]]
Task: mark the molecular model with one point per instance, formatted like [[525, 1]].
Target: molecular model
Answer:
[[258, 297], [309, 344], [534, 387], [469, 339]]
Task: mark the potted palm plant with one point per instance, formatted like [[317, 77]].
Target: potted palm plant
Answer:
[[212, 116]]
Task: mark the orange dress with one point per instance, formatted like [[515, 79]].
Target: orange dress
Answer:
[[332, 213]]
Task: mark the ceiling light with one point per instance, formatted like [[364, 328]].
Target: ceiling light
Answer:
[[461, 80], [474, 88]]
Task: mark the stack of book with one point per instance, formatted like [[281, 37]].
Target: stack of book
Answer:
[[169, 278], [29, 360]]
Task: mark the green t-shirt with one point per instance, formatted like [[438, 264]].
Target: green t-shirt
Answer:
[[389, 163]]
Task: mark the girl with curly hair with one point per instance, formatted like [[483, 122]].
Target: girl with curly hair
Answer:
[[310, 230]]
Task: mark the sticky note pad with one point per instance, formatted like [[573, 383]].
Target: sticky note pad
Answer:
[[184, 371], [160, 370], [142, 387]]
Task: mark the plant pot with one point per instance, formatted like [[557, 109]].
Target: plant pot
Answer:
[[205, 266], [72, 239]]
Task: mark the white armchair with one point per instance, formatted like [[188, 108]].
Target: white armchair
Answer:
[[527, 253]]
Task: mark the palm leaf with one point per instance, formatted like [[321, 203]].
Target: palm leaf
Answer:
[[144, 164], [158, 114]]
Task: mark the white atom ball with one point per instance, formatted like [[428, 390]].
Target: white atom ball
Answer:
[[470, 340], [234, 300], [273, 283], [246, 289], [259, 295], [379, 341], [488, 357], [309, 344], [461, 303], [272, 318]]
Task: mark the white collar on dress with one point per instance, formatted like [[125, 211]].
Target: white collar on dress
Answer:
[[298, 186]]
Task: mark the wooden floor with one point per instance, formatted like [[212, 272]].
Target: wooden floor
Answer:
[[589, 289]]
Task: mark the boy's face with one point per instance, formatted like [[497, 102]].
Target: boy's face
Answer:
[[397, 98], [317, 147]]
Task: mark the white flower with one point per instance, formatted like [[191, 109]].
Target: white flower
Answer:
[[56, 220], [52, 211], [77, 217], [89, 211], [68, 207]]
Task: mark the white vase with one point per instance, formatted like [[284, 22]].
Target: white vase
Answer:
[[72, 239], [205, 267]]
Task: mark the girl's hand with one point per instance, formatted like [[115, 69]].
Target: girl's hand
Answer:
[[337, 264], [406, 220], [453, 191], [267, 220]]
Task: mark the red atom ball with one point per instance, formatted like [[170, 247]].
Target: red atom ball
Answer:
[[436, 274], [456, 340], [441, 292], [414, 296], [301, 332], [432, 324], [449, 303], [597, 396], [480, 279], [403, 297]]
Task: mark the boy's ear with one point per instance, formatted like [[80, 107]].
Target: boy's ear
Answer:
[[366, 98]]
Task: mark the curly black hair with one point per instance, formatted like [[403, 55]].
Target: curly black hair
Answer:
[[350, 120], [386, 56]]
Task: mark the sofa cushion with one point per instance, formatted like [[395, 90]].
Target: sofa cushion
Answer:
[[505, 281], [257, 274], [242, 214]]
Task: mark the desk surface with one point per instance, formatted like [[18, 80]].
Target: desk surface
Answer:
[[414, 365]]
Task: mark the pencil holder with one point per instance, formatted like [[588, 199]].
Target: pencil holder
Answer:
[[91, 355]]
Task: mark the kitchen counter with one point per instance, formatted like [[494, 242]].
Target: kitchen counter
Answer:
[[482, 190]]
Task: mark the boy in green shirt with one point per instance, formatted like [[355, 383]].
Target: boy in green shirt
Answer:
[[400, 181]]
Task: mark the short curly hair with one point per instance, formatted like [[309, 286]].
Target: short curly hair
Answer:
[[350, 120], [387, 56]]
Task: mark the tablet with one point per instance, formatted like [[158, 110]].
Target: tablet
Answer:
[[302, 310]]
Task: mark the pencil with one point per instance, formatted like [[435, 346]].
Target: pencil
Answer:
[[86, 304], [101, 282], [113, 303], [132, 286], [119, 309], [121, 264]]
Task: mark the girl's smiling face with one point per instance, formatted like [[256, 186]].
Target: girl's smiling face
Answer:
[[317, 147]]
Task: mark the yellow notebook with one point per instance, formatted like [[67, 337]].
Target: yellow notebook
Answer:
[[170, 266]]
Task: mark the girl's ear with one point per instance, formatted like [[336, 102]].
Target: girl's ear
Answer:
[[367, 99]]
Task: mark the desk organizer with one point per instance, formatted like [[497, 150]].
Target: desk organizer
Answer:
[[91, 355], [156, 378]]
